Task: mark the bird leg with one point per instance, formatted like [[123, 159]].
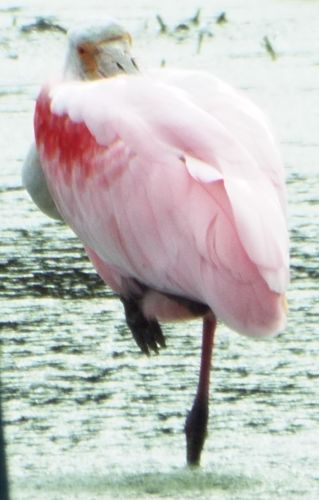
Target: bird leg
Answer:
[[146, 332], [197, 418]]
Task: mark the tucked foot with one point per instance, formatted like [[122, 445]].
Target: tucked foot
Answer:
[[147, 333], [196, 430]]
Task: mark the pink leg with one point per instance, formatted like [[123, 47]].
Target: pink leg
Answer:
[[196, 421]]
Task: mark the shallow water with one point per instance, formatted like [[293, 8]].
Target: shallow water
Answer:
[[86, 415]]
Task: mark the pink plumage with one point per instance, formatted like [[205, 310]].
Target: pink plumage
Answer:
[[172, 179], [173, 182]]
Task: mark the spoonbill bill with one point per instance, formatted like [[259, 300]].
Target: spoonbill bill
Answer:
[[173, 182]]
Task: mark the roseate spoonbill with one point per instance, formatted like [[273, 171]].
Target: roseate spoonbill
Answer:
[[173, 182]]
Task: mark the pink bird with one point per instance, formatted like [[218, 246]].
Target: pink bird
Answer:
[[173, 182]]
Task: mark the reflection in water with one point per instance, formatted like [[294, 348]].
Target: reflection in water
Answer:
[[80, 400]]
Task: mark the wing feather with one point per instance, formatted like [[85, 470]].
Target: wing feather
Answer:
[[170, 195]]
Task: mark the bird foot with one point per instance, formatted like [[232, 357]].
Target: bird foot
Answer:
[[196, 431], [147, 333]]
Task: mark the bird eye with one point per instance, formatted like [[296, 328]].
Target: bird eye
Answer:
[[81, 50]]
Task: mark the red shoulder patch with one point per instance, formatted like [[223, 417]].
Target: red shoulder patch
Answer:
[[58, 137]]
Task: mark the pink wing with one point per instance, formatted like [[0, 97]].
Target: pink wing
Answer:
[[165, 192], [240, 116]]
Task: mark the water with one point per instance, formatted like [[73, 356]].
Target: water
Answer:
[[86, 415]]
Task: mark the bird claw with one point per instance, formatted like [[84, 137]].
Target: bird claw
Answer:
[[147, 333], [149, 337]]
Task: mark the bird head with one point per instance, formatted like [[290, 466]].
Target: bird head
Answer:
[[99, 50]]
